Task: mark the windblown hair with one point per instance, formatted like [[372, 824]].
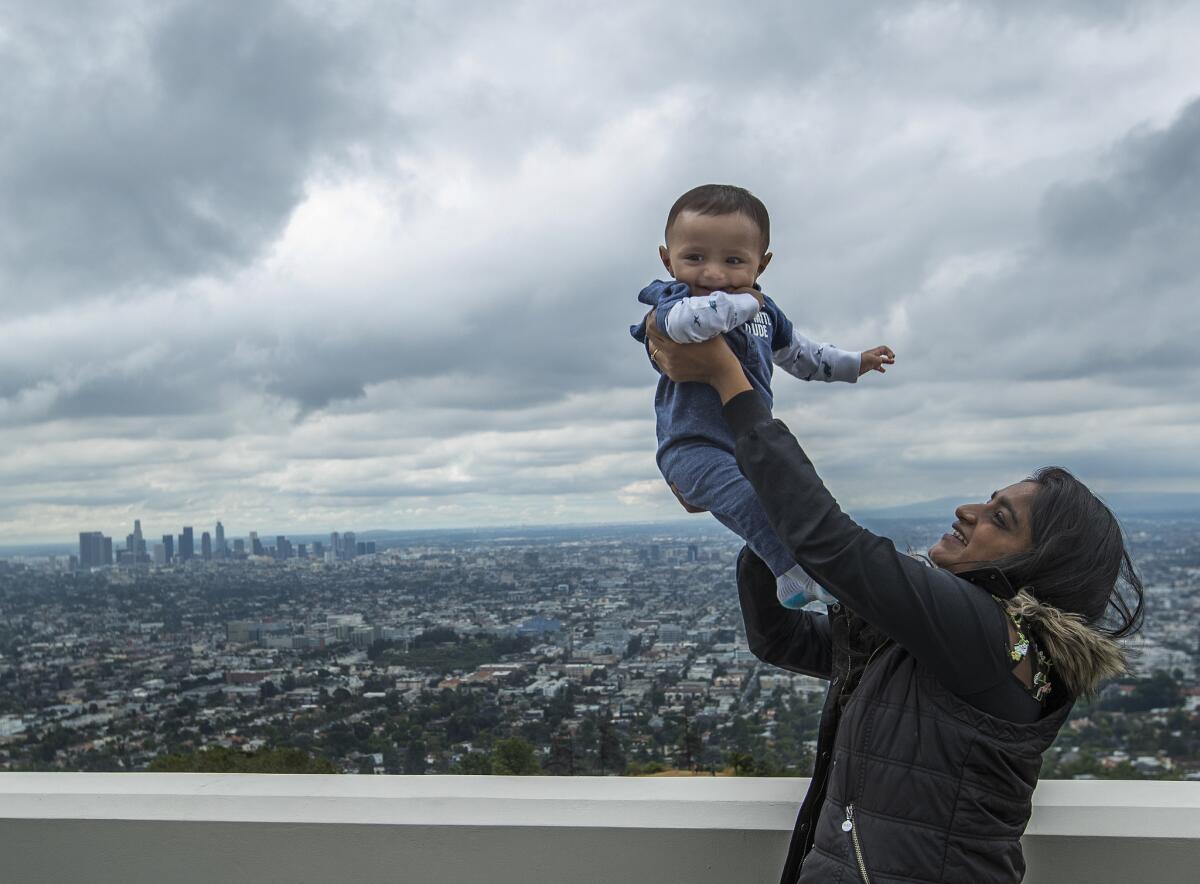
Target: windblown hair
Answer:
[[1078, 562], [722, 199]]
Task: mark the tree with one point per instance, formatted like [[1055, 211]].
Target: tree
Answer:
[[392, 761], [414, 757], [340, 739], [514, 757], [658, 697], [690, 745], [55, 739], [436, 636], [461, 726], [741, 762], [1159, 691], [587, 745], [218, 759], [561, 706], [561, 762], [612, 756], [476, 763]]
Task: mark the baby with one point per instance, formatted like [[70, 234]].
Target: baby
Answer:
[[717, 237]]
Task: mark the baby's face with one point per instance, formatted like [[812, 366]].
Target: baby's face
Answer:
[[714, 252]]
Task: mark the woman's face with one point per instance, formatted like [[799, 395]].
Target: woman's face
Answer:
[[987, 532]]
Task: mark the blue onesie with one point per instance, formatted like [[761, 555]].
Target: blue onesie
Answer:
[[695, 445]]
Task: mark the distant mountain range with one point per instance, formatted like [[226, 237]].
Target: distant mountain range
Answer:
[[1123, 503]]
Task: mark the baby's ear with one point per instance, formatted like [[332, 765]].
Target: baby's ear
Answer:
[[665, 256], [766, 259]]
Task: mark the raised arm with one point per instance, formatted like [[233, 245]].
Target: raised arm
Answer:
[[812, 361], [950, 625]]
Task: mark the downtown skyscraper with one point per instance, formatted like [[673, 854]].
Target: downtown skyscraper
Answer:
[[94, 549]]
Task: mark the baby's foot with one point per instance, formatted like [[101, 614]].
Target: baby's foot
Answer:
[[796, 589]]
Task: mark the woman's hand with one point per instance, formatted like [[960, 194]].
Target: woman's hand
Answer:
[[708, 362]]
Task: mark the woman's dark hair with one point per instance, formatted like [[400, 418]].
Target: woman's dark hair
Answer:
[[1078, 562], [722, 199]]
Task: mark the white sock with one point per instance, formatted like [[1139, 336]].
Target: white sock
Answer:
[[795, 589]]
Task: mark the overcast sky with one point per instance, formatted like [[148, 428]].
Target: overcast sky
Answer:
[[321, 265]]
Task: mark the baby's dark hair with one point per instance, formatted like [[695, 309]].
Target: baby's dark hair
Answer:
[[722, 199]]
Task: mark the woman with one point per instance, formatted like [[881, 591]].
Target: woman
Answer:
[[946, 683]]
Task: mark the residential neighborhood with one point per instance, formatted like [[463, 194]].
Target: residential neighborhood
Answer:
[[613, 650]]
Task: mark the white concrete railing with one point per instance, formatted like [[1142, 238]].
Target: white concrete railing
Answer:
[[133, 828]]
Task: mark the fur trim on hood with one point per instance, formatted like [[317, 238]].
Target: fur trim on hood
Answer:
[[1084, 656]]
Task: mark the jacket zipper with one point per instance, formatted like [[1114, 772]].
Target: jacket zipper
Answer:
[[848, 826]]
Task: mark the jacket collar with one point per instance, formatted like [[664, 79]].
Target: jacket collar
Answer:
[[1084, 655], [992, 579]]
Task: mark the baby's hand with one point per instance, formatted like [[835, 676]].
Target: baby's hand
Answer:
[[875, 359], [750, 290]]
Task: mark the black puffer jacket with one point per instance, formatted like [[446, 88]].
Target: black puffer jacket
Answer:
[[911, 783], [913, 780]]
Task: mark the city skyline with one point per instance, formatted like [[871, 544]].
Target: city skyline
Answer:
[[1125, 506], [98, 550], [391, 284]]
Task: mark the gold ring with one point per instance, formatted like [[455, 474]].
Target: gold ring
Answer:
[[654, 353]]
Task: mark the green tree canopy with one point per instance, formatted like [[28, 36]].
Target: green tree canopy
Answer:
[[218, 759], [474, 763], [514, 757]]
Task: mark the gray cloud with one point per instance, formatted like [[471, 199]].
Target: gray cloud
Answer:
[[297, 263], [157, 142], [1151, 193]]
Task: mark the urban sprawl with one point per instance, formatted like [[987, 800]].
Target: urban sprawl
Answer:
[[608, 650]]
